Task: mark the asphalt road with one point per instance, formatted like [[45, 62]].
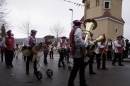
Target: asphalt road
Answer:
[[16, 76]]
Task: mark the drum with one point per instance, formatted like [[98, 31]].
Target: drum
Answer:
[[37, 48], [26, 50]]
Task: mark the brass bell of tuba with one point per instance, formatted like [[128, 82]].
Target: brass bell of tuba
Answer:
[[89, 25]]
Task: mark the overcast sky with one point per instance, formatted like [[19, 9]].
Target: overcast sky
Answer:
[[45, 13]]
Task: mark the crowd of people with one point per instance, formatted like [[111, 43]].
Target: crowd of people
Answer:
[[105, 50]]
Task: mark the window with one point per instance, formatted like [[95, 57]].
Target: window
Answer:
[[116, 30], [97, 2], [107, 4]]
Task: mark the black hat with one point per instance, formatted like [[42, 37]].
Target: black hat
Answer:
[[9, 31], [63, 37], [120, 37]]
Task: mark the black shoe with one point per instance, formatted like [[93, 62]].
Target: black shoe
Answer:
[[7, 66], [113, 65], [92, 73], [64, 66], [104, 68], [27, 72], [1, 60], [71, 85], [11, 65], [46, 63], [121, 65], [35, 72], [59, 66], [99, 68], [83, 84]]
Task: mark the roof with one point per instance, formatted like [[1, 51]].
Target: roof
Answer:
[[106, 14]]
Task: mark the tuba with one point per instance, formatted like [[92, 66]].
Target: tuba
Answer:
[[89, 25], [47, 40]]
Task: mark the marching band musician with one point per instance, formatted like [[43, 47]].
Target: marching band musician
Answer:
[[76, 42], [2, 51], [127, 48], [51, 51], [9, 45], [91, 56], [45, 51], [102, 51], [118, 51], [30, 41], [67, 52], [124, 49], [97, 54], [62, 49], [109, 49]]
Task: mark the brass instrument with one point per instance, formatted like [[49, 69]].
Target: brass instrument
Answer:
[[43, 47], [107, 47], [108, 40], [101, 38], [89, 25]]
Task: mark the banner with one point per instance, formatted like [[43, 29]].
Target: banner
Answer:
[[77, 4]]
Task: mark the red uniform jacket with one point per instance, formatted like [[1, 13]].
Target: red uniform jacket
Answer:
[[9, 41]]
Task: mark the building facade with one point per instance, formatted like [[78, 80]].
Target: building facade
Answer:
[[108, 14]]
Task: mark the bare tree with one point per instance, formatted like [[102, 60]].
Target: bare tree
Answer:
[[3, 14], [57, 30], [26, 27]]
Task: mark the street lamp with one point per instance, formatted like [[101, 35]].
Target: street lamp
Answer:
[[71, 18]]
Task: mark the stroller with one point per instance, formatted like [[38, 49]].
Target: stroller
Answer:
[[48, 72], [37, 53]]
